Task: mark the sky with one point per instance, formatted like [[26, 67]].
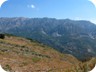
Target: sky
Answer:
[[60, 9]]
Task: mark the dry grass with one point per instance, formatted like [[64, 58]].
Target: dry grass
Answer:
[[22, 55]]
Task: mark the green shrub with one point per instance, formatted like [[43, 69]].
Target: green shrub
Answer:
[[36, 59]]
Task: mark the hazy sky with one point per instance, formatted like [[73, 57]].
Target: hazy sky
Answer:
[[60, 9]]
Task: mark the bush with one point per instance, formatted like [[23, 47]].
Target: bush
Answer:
[[7, 67], [36, 59], [2, 36]]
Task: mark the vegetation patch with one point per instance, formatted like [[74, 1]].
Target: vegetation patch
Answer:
[[7, 67], [36, 59]]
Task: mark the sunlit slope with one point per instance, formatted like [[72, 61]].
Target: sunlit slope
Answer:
[[22, 55]]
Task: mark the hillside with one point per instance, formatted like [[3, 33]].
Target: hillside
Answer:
[[22, 55], [77, 38]]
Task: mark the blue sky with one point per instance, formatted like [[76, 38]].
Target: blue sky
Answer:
[[60, 9]]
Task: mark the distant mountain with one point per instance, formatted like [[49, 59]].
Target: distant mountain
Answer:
[[67, 36]]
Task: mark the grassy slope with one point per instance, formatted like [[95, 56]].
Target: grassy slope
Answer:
[[22, 55]]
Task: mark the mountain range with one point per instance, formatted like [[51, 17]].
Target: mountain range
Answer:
[[77, 38]]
